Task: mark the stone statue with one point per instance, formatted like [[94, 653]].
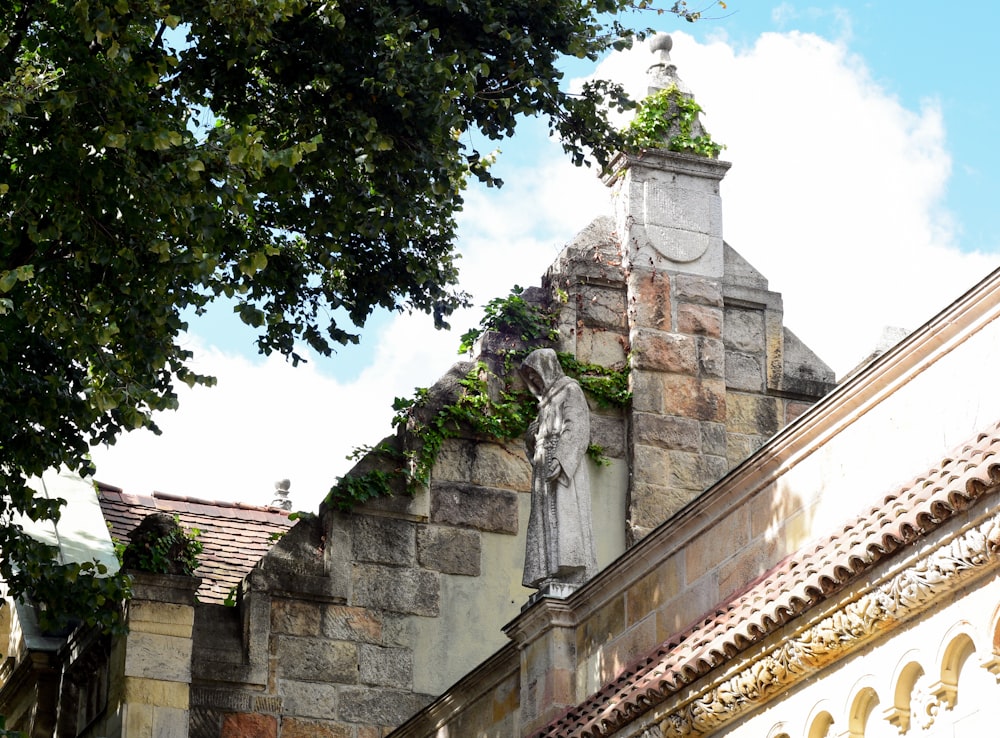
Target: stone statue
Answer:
[[560, 540]]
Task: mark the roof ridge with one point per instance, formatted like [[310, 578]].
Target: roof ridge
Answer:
[[149, 500]]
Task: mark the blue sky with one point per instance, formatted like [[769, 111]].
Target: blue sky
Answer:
[[863, 186]]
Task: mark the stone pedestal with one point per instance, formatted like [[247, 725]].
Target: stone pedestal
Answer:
[[545, 635]]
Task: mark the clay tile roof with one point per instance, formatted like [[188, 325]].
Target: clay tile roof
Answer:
[[234, 535], [797, 583]]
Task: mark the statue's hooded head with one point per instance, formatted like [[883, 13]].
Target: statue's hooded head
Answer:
[[540, 370]]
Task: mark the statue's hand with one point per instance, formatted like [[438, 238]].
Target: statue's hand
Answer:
[[555, 469]]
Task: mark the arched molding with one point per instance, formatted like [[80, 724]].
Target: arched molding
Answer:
[[862, 705], [820, 722], [904, 679], [957, 647], [903, 594]]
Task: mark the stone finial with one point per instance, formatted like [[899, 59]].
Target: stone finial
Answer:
[[662, 73], [281, 500]]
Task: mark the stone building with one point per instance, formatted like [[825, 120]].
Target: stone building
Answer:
[[778, 556]]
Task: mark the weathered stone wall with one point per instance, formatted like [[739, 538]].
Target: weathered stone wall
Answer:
[[355, 621]]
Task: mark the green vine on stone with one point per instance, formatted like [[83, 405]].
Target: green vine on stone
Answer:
[[501, 415], [668, 120], [159, 547], [515, 315], [596, 454]]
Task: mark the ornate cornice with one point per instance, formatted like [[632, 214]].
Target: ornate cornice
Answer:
[[670, 685], [899, 598]]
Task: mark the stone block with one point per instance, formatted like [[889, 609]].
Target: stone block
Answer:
[[686, 470], [793, 410], [744, 372], [701, 399], [383, 540], [711, 357], [451, 464], [749, 563], [482, 463], [713, 439], [308, 699], [649, 300], [703, 553], [161, 618], [713, 469], [752, 414], [637, 641], [608, 432], [154, 656], [317, 660], [665, 352], [658, 586], [501, 466], [687, 608], [386, 667], [413, 591], [449, 550], [170, 722], [652, 504], [291, 617], [700, 290], [241, 725], [344, 623], [139, 721], [600, 627], [601, 307], [398, 630], [651, 464], [667, 431], [295, 728], [743, 330], [669, 202], [739, 447], [647, 392], [603, 347], [380, 706], [699, 320], [485, 508]]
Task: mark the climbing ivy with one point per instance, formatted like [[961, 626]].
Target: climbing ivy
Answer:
[[502, 415], [666, 120], [174, 552], [513, 315]]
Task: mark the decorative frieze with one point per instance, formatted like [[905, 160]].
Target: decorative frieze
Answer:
[[902, 596]]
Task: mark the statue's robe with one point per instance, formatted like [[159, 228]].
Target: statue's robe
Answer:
[[560, 545]]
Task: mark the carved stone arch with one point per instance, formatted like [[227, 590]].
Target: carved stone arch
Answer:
[[958, 647], [862, 706], [904, 680], [819, 724]]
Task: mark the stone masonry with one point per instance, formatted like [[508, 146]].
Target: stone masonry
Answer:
[[355, 621]]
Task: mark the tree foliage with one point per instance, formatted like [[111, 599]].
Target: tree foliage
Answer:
[[304, 159]]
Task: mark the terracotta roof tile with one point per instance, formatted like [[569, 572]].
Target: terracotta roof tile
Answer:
[[794, 585], [234, 535]]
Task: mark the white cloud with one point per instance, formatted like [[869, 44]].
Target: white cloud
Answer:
[[834, 194]]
